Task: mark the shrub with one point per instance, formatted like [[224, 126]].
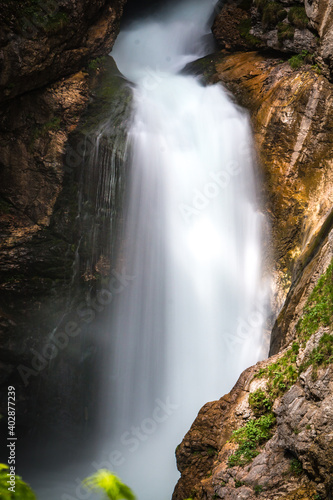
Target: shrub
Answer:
[[22, 490], [110, 484], [260, 402], [296, 61]]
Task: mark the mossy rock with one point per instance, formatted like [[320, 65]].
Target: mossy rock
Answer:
[[272, 14], [297, 17], [285, 32], [244, 29]]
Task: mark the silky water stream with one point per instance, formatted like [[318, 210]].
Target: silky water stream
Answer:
[[190, 307]]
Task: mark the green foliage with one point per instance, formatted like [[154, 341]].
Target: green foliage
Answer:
[[282, 374], [110, 484], [322, 355], [238, 484], [249, 437], [319, 307], [258, 489], [298, 60], [296, 467], [260, 402], [211, 452], [22, 490], [297, 17], [316, 68], [285, 32], [272, 14]]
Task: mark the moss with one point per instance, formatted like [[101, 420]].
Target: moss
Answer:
[[261, 4], [238, 484], [285, 32], [56, 22], [297, 61], [255, 433], [96, 64], [297, 17], [244, 28], [321, 355], [29, 17], [272, 14], [40, 130]]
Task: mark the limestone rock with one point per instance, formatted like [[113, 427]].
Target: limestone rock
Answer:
[[42, 42]]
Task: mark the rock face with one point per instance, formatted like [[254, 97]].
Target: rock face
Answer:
[[294, 459], [42, 41], [46, 84], [290, 113], [284, 26], [283, 449]]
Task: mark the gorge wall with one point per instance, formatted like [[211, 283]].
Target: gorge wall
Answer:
[[50, 58], [276, 60], [271, 436]]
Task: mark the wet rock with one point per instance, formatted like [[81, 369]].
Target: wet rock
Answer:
[[289, 110]]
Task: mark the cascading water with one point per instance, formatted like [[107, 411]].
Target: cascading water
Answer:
[[189, 303], [190, 315]]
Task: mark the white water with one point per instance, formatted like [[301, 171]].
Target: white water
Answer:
[[191, 316]]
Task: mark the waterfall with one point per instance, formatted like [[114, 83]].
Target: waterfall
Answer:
[[190, 315], [188, 297]]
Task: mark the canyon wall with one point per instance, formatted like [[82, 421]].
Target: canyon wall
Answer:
[[271, 436]]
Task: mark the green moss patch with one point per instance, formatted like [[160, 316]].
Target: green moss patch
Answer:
[[285, 32], [297, 17], [272, 13], [244, 28]]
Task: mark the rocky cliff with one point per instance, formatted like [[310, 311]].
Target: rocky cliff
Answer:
[[51, 54], [271, 436]]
